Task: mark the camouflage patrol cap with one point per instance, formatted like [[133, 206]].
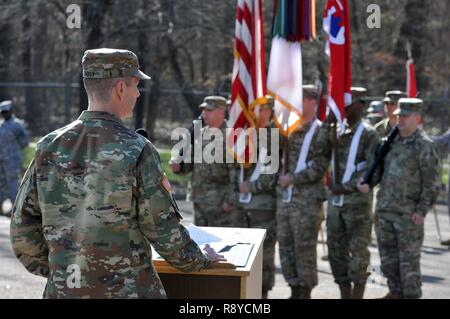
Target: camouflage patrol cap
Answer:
[[358, 94], [6, 106], [310, 91], [213, 102], [111, 63], [376, 107], [393, 96], [407, 106]]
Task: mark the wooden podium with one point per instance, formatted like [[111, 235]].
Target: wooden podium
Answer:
[[219, 283]]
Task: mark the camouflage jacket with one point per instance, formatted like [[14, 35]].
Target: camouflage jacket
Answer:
[[365, 156], [383, 128], [309, 182], [263, 189], [210, 181], [13, 139], [94, 199], [410, 181]]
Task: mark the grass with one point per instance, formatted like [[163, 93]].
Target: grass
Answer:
[[28, 154], [165, 157], [445, 165]]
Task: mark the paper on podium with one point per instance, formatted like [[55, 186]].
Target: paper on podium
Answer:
[[235, 253], [200, 236]]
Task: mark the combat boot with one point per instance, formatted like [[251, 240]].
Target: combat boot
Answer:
[[295, 292], [358, 291], [446, 243], [390, 295], [346, 290], [305, 293]]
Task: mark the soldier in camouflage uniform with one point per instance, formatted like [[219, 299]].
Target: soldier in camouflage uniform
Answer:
[[260, 212], [13, 139], [349, 216], [299, 219], [385, 126], [211, 190], [443, 141], [409, 187], [95, 198]]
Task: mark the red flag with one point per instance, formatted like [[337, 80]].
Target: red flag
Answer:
[[249, 76], [411, 86], [322, 109], [336, 24]]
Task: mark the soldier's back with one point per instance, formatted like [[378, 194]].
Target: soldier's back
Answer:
[[85, 175]]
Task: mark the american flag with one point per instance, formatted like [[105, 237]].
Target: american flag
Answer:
[[249, 77]]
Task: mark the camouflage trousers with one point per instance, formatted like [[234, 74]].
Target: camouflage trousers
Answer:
[[399, 243], [298, 224], [348, 237], [212, 216], [9, 179], [265, 220]]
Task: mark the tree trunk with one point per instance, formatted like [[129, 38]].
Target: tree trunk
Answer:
[[94, 13]]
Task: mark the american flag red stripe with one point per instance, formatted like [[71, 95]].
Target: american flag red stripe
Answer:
[[249, 75]]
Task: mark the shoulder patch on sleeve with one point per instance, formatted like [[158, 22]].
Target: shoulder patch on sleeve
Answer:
[[165, 183]]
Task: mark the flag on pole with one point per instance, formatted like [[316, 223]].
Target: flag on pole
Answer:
[[249, 76], [336, 24], [411, 86], [293, 22]]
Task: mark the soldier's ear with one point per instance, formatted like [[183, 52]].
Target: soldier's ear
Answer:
[[119, 89]]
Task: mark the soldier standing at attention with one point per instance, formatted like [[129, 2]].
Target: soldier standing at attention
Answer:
[[409, 187], [349, 217], [443, 141], [299, 217], [260, 211], [212, 192], [385, 126], [13, 140], [95, 197]]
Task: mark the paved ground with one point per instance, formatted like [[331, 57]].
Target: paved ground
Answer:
[[15, 282]]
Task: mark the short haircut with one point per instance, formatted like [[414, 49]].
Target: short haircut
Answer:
[[100, 89]]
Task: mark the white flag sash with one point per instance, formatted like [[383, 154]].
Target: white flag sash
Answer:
[[301, 163], [247, 197], [351, 159]]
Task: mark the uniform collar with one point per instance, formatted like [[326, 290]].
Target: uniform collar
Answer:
[[11, 119], [408, 139], [96, 115], [307, 126], [351, 129], [387, 125]]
